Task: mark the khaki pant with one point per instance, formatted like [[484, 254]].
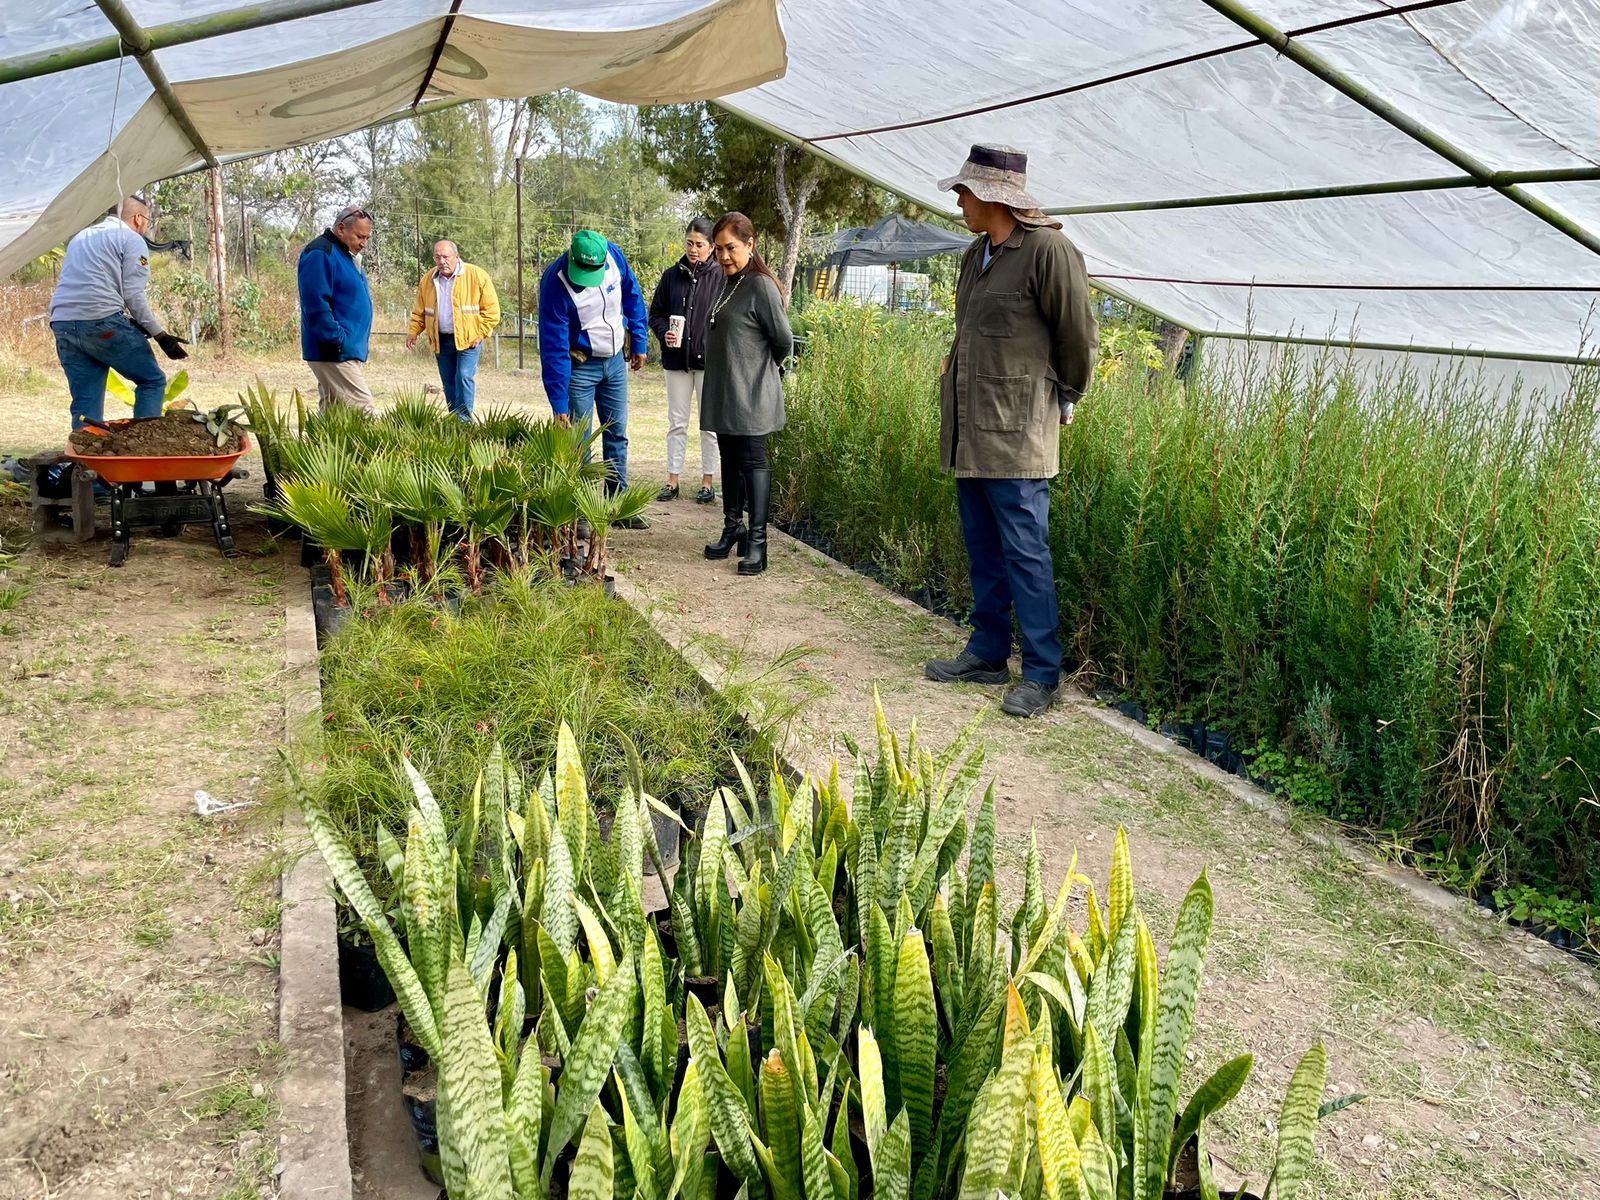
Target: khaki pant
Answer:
[[682, 387], [342, 381]]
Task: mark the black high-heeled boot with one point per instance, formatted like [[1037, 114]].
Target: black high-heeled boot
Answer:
[[758, 481], [734, 533]]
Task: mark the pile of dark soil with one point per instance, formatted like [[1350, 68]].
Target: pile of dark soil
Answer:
[[171, 435]]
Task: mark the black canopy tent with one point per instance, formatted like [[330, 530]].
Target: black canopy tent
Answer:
[[892, 241], [896, 239]]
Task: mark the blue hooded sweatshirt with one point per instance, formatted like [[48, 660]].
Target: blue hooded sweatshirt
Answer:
[[562, 329], [335, 303]]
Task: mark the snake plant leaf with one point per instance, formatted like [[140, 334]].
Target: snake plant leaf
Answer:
[[946, 960], [1033, 909], [691, 1134], [683, 926], [982, 946], [1111, 989], [899, 847], [588, 1063], [470, 1090], [409, 987], [594, 1170], [780, 1124], [660, 1029], [1149, 1162], [998, 1125], [601, 953], [491, 939], [1121, 901], [390, 853], [1210, 1097], [710, 885], [730, 1119], [641, 1155], [1098, 1164], [980, 859], [1297, 1125], [1097, 929], [524, 1117], [426, 899], [915, 1025], [882, 955], [433, 822], [1100, 1086], [874, 1103], [738, 1062], [573, 810], [1174, 1023], [557, 915], [847, 1178], [891, 1173], [973, 1061], [819, 1178], [1060, 1166]]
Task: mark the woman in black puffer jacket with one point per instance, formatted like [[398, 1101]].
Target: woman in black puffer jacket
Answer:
[[678, 313]]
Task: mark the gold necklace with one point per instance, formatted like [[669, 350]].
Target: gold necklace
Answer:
[[722, 301]]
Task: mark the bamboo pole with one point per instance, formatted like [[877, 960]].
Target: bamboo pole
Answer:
[[138, 44], [166, 35], [1573, 360]]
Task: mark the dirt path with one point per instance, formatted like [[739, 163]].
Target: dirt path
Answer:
[[1479, 1051], [138, 940]]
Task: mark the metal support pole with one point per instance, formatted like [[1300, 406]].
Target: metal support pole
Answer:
[[1324, 70], [1337, 192], [520, 309]]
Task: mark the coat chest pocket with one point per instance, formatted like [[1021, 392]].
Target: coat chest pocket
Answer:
[[1000, 314]]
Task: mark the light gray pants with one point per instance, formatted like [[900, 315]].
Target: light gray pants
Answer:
[[342, 381], [682, 387]]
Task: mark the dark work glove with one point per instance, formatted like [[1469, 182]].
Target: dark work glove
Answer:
[[172, 345]]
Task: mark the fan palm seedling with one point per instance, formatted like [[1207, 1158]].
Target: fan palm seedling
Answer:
[[334, 521], [489, 500], [602, 510]]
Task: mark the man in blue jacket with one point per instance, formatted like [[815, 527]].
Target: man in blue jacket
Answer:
[[336, 310], [593, 325]]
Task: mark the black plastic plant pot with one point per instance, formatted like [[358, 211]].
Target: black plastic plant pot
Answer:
[[428, 1157], [421, 1095], [705, 988], [413, 1057], [1131, 709], [362, 983], [668, 940], [668, 841]]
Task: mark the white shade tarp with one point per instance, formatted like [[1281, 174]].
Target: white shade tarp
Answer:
[[1191, 126]]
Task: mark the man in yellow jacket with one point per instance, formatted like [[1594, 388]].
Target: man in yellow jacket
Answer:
[[457, 308]]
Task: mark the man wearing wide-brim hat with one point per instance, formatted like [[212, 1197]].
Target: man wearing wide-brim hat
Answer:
[[1024, 352]]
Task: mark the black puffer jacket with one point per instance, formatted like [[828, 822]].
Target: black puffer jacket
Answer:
[[688, 292]]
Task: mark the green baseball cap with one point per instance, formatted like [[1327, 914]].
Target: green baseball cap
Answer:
[[586, 260]]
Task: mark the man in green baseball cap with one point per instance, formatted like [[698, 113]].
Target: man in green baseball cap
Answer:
[[593, 325]]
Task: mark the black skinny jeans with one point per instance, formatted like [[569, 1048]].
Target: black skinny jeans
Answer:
[[742, 452]]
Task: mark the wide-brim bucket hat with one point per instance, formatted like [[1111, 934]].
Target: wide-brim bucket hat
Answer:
[[999, 174]]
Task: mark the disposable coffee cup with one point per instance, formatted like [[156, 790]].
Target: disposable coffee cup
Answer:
[[675, 328]]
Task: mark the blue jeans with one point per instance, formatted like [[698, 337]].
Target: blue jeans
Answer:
[[603, 383], [88, 348], [458, 371], [1006, 525]]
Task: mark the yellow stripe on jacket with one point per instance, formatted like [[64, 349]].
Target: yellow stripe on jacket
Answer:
[[473, 299]]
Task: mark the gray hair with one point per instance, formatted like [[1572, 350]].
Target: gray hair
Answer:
[[351, 212]]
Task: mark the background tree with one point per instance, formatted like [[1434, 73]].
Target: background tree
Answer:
[[729, 164]]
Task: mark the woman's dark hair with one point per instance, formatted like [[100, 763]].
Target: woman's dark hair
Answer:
[[745, 232], [702, 226]]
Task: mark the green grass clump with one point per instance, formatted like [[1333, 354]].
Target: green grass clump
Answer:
[[1387, 583], [412, 680]]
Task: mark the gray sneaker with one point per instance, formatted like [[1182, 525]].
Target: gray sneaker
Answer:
[[1030, 699], [967, 667]]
